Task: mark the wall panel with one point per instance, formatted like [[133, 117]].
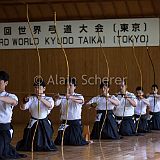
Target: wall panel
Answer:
[[22, 66]]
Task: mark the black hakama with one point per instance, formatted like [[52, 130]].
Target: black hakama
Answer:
[[72, 134], [43, 137], [110, 129], [6, 150], [127, 126], [155, 121], [142, 125]]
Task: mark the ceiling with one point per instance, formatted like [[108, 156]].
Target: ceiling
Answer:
[[41, 10]]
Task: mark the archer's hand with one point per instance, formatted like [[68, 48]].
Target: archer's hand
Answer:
[[56, 96], [25, 99], [140, 96], [68, 96], [94, 105], [39, 97]]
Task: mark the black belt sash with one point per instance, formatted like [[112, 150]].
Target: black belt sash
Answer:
[[104, 111], [5, 126], [39, 119], [144, 116], [123, 118], [155, 113], [73, 122]]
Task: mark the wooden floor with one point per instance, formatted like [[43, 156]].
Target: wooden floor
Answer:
[[145, 147]]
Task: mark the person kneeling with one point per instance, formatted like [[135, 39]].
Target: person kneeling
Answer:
[[39, 131]]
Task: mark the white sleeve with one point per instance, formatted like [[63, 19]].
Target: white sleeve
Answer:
[[82, 98], [149, 99], [134, 98], [146, 101], [13, 96], [115, 98], [58, 102], [93, 100], [51, 101], [136, 101], [27, 105]]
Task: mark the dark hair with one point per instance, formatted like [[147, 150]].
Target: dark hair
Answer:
[[154, 86], [71, 80], [104, 83], [139, 88], [4, 76], [39, 82]]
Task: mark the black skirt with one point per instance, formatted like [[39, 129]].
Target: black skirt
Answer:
[[110, 129], [6, 150], [43, 137], [72, 134], [142, 125], [127, 126], [155, 121]]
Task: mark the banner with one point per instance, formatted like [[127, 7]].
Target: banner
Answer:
[[81, 33]]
